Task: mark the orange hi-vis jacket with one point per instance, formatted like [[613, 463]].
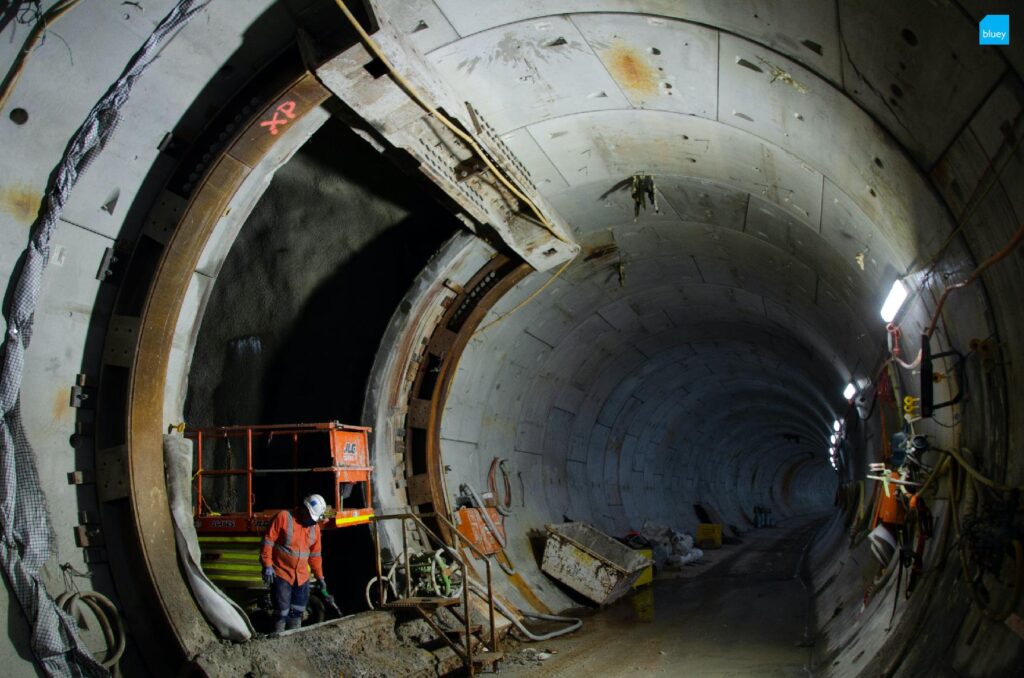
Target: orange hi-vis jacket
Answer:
[[289, 547]]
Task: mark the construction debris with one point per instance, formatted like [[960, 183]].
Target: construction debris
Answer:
[[672, 548], [590, 562], [360, 645]]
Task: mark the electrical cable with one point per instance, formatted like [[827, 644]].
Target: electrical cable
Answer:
[[969, 209], [1018, 551], [894, 331], [106, 614], [975, 473], [45, 21], [525, 301], [894, 348], [444, 120], [1013, 243], [939, 470], [576, 623]]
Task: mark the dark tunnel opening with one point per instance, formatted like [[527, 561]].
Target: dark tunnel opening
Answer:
[[292, 328]]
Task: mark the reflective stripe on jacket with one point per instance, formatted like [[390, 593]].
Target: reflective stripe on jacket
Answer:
[[292, 549]]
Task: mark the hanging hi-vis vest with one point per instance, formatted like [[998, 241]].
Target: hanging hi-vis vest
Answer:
[[292, 549]]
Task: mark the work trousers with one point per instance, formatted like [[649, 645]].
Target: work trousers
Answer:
[[289, 600]]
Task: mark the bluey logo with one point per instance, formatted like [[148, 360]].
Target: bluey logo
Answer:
[[994, 29]]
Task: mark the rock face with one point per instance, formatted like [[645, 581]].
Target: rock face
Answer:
[[295, 320], [296, 316]]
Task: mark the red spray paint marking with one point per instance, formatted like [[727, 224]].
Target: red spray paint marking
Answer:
[[282, 114]]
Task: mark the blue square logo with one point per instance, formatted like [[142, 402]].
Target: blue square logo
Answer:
[[994, 29]]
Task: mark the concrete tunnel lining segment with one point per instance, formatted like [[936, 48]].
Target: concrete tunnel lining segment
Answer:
[[607, 395]]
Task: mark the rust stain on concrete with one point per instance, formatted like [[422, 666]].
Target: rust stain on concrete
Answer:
[[61, 404], [631, 69], [21, 202]]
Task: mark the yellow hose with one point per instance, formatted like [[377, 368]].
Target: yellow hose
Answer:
[[976, 474], [525, 301], [444, 120]]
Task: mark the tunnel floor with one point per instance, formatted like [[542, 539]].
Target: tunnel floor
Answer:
[[748, 613]]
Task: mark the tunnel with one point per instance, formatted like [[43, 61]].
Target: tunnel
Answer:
[[618, 266]]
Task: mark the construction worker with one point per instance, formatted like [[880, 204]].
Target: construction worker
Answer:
[[291, 548]]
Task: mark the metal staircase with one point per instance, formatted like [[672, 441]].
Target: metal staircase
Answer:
[[476, 649]]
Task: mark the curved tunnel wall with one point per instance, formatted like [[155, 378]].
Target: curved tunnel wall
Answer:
[[557, 387], [870, 189], [687, 342]]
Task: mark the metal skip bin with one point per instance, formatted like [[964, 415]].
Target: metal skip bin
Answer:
[[590, 562]]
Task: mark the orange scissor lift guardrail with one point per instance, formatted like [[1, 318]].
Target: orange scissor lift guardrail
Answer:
[[350, 463]]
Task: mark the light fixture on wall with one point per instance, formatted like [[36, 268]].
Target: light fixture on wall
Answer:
[[893, 302], [849, 391], [835, 442]]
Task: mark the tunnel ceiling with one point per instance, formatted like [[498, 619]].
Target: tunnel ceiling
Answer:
[[790, 152]]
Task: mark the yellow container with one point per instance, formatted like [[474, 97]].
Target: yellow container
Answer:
[[709, 535], [647, 575]]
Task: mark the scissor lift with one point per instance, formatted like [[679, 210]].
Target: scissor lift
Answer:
[[230, 541]]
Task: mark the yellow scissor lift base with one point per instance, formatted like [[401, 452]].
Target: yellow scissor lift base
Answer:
[[232, 561]]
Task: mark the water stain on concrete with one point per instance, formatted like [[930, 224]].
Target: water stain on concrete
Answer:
[[605, 251], [519, 50], [631, 69], [21, 202]]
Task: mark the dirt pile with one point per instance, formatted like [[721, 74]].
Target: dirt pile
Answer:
[[363, 645]]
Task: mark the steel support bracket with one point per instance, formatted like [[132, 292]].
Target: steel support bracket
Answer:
[[113, 263], [112, 473], [468, 168], [122, 336], [84, 477], [83, 397], [87, 536], [444, 157]]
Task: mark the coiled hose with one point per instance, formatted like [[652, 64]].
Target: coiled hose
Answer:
[[576, 623], [106, 614]]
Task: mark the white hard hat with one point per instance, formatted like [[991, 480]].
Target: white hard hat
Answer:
[[316, 506]]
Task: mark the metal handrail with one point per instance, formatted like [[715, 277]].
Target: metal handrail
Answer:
[[463, 566]]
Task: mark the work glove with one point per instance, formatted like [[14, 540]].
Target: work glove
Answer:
[[268, 575]]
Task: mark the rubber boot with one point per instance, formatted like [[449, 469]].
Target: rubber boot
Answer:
[[279, 624], [293, 623]]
